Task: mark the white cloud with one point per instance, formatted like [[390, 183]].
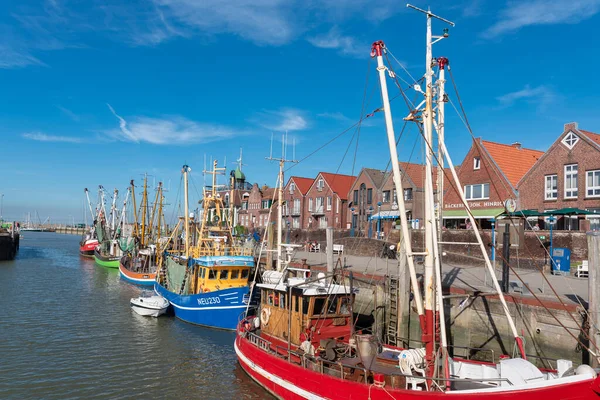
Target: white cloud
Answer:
[[69, 113], [338, 116], [520, 14], [345, 45], [540, 95], [13, 58], [285, 119], [174, 130], [42, 137]]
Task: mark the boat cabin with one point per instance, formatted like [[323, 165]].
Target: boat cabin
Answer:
[[218, 274], [311, 311]]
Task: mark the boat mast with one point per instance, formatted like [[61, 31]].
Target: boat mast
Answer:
[[87, 194], [185, 171], [377, 50], [160, 211], [135, 216], [144, 206], [153, 214], [113, 211]]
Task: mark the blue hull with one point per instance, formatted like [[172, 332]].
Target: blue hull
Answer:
[[221, 309]]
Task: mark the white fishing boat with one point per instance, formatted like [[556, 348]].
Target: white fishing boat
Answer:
[[152, 306]]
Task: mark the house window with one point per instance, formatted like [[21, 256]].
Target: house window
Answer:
[[320, 184], [571, 181], [337, 206], [408, 194], [292, 187], [476, 163], [592, 183], [227, 200], [245, 205], [394, 197], [570, 140], [266, 204], [386, 196], [477, 192], [329, 203], [369, 196], [310, 204], [551, 191], [296, 223], [355, 197], [319, 204], [296, 206]]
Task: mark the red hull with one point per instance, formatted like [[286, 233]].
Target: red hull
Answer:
[[290, 381], [87, 249]]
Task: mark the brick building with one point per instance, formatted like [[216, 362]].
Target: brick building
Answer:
[[326, 201], [489, 175], [294, 196], [566, 176], [373, 197], [256, 203]]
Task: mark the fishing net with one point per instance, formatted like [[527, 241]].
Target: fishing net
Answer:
[[127, 244], [176, 277]]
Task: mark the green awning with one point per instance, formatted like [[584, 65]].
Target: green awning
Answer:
[[477, 213], [568, 211], [523, 214]]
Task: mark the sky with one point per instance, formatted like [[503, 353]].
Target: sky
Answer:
[[99, 92]]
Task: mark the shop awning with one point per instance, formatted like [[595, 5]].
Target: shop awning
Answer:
[[523, 214], [478, 213], [568, 211], [391, 214]]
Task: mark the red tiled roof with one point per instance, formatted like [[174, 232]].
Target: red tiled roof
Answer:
[[339, 183], [416, 173], [593, 136], [514, 162], [303, 184]]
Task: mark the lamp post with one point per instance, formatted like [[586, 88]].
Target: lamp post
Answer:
[[370, 212], [378, 218], [551, 220], [353, 223]]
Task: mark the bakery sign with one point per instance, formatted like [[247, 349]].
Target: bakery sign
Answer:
[[476, 204]]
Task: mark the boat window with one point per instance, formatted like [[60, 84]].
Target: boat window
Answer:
[[202, 273], [270, 298], [304, 305], [319, 304], [245, 273], [344, 305], [332, 305], [223, 274], [212, 274], [235, 273], [281, 300], [296, 303]]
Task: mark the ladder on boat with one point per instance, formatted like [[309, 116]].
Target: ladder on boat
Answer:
[[392, 323]]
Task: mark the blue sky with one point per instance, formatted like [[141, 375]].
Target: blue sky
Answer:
[[99, 92]]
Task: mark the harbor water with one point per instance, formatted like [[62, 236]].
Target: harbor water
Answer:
[[68, 331]]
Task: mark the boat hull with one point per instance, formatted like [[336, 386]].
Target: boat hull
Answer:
[[150, 308], [220, 309], [87, 249], [287, 380], [137, 278], [109, 262]]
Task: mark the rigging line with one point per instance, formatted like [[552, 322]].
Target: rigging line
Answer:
[[401, 65], [394, 76], [362, 111], [466, 122], [177, 200]]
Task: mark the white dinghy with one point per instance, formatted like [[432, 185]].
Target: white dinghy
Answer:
[[152, 306]]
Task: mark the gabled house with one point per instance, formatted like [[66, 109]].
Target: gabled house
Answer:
[[294, 194], [256, 203], [489, 175], [326, 201], [566, 176]]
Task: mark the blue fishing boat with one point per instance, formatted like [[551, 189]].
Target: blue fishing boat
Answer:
[[207, 283]]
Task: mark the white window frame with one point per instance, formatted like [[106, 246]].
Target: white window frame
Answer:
[[549, 192], [469, 191], [296, 206], [594, 189], [476, 163], [571, 192], [310, 204], [337, 205], [570, 140], [292, 187], [329, 203]]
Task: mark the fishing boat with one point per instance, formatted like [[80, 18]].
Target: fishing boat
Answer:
[[139, 266], [304, 344], [89, 240], [113, 241], [152, 306], [207, 283]]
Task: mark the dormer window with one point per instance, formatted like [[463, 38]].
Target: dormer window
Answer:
[[570, 140], [476, 163], [320, 184], [292, 188]]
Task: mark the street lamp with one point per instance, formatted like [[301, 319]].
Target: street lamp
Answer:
[[551, 220], [378, 218], [353, 223], [370, 212]]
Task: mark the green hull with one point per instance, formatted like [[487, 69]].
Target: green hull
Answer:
[[107, 263]]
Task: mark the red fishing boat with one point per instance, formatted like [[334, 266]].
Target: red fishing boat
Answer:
[[303, 344]]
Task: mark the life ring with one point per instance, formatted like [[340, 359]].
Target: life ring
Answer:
[[265, 314]]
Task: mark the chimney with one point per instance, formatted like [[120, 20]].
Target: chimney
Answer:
[[516, 145], [571, 126]]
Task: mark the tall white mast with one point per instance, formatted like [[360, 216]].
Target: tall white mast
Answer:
[[377, 50], [185, 171], [282, 162], [113, 210], [87, 195]]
